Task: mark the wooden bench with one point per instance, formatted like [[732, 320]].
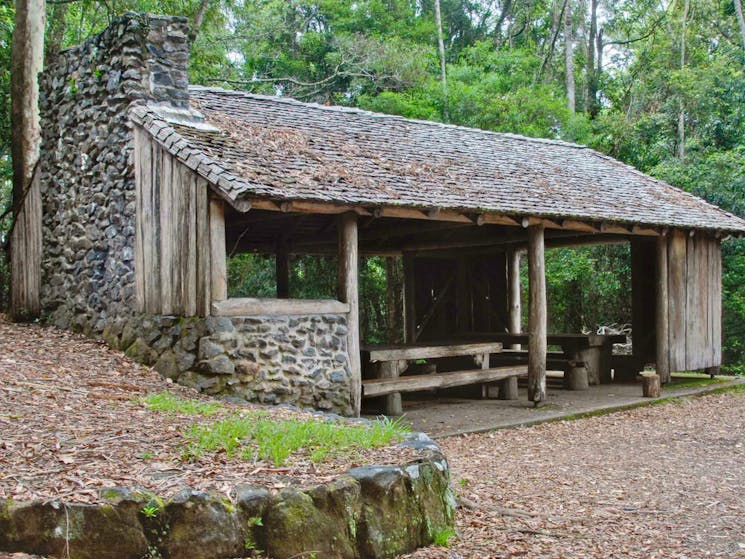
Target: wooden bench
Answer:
[[389, 362], [573, 371], [413, 383]]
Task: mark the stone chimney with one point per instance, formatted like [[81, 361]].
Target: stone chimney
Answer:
[[87, 175]]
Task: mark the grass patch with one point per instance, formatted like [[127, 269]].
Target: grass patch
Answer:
[[692, 381], [443, 537], [259, 437], [167, 402]]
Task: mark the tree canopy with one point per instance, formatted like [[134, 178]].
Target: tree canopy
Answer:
[[658, 84]]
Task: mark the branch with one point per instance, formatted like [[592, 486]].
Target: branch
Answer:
[[649, 33]]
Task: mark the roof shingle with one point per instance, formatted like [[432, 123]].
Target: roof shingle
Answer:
[[282, 149]]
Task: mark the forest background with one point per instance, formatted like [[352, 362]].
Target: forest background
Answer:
[[659, 84]]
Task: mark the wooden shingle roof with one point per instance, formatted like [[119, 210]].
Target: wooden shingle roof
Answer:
[[283, 150]]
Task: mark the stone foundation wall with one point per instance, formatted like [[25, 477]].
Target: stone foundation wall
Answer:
[[372, 512], [86, 163], [298, 360]]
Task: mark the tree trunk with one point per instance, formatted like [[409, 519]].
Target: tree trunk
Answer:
[[506, 7], [443, 73], [55, 32], [537, 315], [569, 60], [592, 78], [199, 19], [25, 237], [681, 113], [740, 20]]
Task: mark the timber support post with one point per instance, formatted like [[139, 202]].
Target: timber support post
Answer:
[[537, 317], [409, 298], [514, 305], [282, 264], [348, 292], [662, 319], [218, 254]]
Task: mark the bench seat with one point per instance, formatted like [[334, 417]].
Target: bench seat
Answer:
[[413, 383]]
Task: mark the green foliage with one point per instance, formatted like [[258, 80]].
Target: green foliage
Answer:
[[167, 402], [255, 436], [443, 537], [382, 55]]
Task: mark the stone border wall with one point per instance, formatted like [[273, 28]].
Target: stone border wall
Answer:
[[370, 512], [297, 360], [86, 162]]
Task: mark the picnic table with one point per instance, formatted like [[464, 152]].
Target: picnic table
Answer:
[[594, 350], [389, 361]]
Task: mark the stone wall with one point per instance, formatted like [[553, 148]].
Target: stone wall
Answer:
[[87, 177], [88, 197], [371, 512], [298, 360]]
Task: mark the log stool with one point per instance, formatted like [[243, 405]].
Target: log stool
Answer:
[[651, 386], [575, 376]]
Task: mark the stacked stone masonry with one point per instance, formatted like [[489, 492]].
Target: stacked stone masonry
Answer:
[[87, 177], [88, 190], [297, 360]]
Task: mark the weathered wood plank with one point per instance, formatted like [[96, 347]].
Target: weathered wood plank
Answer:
[[143, 179], [434, 351], [514, 294], [189, 180], [662, 327], [348, 292], [381, 387], [677, 298], [715, 263], [250, 306], [218, 254], [692, 289], [537, 316], [169, 265], [203, 249], [152, 232]]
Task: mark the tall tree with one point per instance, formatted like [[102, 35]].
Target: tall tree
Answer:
[[592, 77], [569, 59], [682, 111], [27, 57], [443, 70], [740, 20]]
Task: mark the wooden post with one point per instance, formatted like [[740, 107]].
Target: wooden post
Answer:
[[463, 315], [390, 369], [348, 292], [513, 292], [537, 317], [651, 386], [661, 313], [282, 265], [218, 254], [409, 299]]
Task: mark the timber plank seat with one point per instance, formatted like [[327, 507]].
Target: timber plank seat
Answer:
[[431, 351], [413, 383], [388, 362]]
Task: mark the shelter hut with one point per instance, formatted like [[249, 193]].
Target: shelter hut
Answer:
[[230, 172]]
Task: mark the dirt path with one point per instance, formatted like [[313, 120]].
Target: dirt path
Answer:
[[663, 481]]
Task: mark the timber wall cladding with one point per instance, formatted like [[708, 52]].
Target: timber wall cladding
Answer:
[[694, 302], [172, 240]]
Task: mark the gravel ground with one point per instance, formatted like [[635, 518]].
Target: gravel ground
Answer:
[[661, 481], [72, 422]]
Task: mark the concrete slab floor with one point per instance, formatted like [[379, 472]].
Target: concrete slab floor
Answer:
[[448, 416]]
